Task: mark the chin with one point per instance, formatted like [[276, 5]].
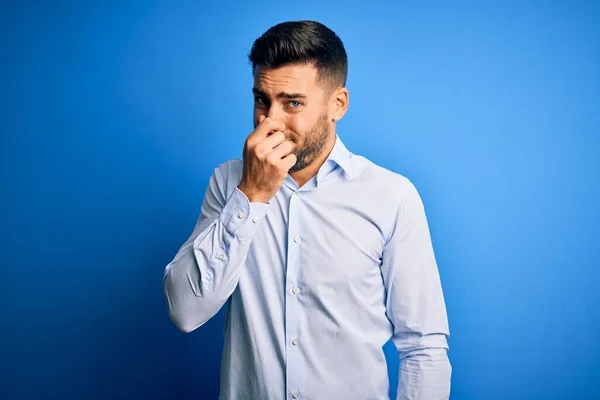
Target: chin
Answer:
[[298, 167]]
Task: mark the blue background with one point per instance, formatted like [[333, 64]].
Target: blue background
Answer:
[[113, 117]]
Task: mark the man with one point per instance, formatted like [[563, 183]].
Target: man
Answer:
[[320, 254]]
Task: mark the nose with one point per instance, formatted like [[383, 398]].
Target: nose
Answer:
[[276, 113], [273, 112]]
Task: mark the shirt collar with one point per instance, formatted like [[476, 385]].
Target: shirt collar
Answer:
[[341, 156]]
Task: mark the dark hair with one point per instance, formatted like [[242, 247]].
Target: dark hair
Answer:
[[302, 42]]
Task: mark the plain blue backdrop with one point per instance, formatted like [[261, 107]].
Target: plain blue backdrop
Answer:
[[113, 116]]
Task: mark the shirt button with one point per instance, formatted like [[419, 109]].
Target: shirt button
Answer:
[[295, 395], [295, 290], [241, 214], [255, 219], [297, 239], [221, 257], [295, 342]]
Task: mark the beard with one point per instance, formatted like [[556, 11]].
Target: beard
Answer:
[[315, 141]]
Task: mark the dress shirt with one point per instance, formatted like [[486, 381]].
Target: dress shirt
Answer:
[[315, 282]]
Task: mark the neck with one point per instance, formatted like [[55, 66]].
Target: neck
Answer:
[[303, 176]]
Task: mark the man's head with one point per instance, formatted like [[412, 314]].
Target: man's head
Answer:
[[300, 71]]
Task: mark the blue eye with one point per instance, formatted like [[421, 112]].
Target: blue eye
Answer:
[[295, 104]]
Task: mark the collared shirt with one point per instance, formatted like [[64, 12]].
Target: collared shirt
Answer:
[[315, 282]]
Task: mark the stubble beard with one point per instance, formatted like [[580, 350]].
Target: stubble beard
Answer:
[[314, 143]]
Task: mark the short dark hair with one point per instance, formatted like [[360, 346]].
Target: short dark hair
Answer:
[[302, 42]]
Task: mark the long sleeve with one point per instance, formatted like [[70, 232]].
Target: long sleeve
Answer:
[[415, 304], [206, 269]]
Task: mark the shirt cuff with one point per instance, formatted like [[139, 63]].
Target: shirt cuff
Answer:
[[240, 216]]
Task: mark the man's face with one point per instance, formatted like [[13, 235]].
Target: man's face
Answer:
[[293, 95]]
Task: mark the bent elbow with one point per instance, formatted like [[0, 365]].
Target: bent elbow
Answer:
[[183, 323]]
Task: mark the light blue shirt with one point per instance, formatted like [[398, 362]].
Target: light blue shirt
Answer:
[[316, 282]]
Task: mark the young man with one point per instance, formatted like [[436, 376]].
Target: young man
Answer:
[[320, 254]]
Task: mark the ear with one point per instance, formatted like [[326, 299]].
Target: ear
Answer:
[[338, 103]]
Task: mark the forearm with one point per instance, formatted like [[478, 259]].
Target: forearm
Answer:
[[202, 277], [424, 375], [207, 268]]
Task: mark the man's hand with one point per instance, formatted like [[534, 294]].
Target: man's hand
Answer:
[[267, 160]]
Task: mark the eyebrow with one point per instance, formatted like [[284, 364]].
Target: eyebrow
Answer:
[[280, 95]]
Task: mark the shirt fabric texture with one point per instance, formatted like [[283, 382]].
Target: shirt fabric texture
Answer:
[[315, 282]]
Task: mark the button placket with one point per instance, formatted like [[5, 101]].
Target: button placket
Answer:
[[295, 365]]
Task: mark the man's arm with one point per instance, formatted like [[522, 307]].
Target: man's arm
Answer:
[[415, 304], [206, 269]]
